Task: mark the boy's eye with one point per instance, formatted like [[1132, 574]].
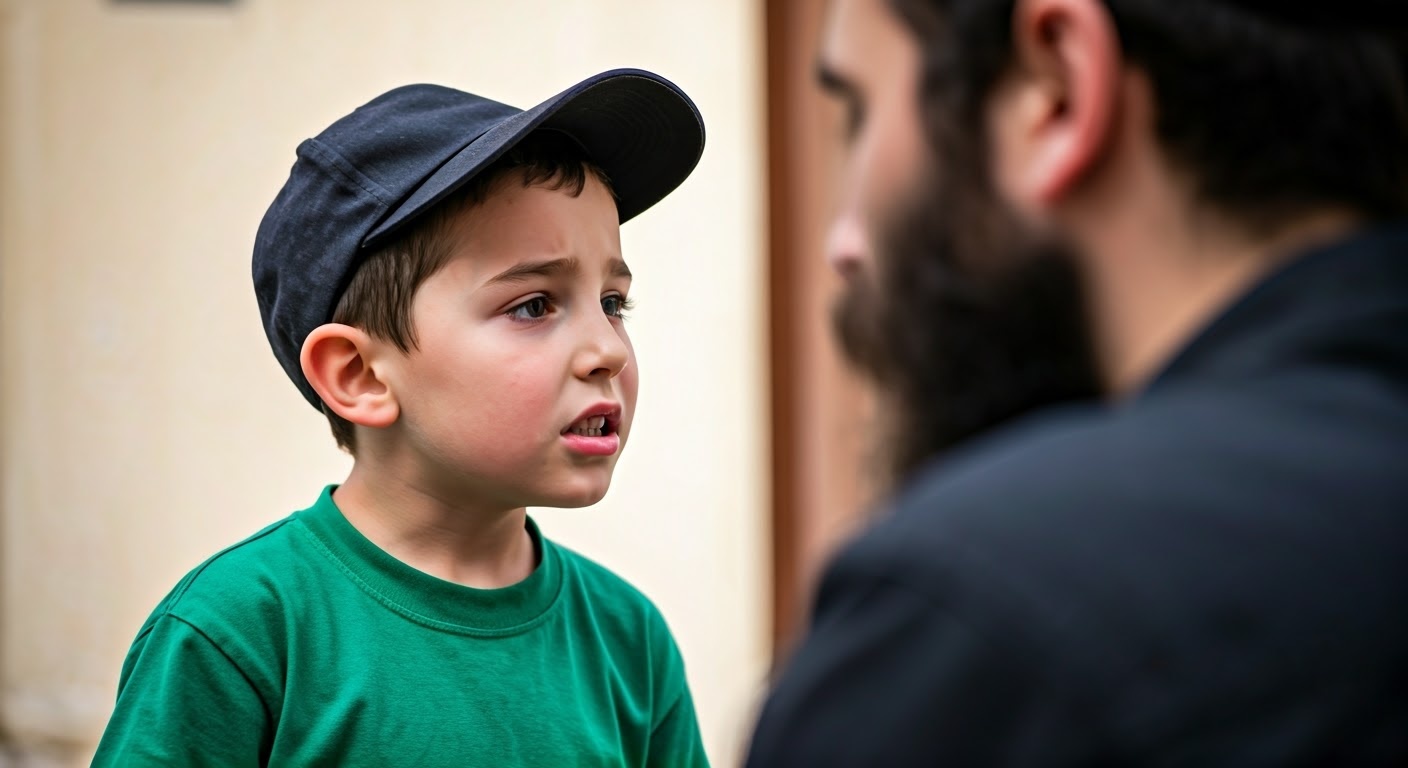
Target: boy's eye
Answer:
[[615, 306], [535, 308]]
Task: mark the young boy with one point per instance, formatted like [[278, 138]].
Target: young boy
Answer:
[[442, 277]]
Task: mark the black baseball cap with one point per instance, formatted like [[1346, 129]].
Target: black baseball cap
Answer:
[[368, 175]]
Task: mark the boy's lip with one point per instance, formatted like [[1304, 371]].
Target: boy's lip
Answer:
[[606, 444]]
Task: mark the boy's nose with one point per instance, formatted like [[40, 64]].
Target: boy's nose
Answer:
[[603, 351]]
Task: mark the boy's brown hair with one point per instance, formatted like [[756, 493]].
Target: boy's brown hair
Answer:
[[378, 298]]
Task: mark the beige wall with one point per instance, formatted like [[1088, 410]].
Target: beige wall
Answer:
[[145, 422]]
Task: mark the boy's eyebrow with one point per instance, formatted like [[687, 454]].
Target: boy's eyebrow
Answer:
[[530, 269], [567, 265], [618, 268]]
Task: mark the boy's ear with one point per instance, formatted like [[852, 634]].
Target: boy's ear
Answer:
[[336, 360]]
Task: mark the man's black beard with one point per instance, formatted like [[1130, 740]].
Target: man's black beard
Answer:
[[968, 322]]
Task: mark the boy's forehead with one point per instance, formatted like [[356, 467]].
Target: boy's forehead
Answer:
[[538, 224]]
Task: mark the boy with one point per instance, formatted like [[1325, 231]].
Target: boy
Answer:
[[442, 277]]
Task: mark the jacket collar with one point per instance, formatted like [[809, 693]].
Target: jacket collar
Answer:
[[1345, 303]]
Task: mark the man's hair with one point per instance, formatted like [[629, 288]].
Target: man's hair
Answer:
[[1268, 119], [379, 296]]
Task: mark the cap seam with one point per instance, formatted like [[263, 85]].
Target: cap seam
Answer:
[[333, 161]]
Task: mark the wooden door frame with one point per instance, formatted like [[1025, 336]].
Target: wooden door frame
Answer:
[[816, 442]]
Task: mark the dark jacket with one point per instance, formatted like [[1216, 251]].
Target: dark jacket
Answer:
[[1211, 573]]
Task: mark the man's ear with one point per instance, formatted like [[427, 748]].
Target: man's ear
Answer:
[[336, 360], [1055, 117]]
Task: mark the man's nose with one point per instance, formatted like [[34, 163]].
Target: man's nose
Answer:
[[847, 245]]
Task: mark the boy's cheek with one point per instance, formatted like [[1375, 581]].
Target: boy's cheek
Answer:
[[630, 377], [629, 381]]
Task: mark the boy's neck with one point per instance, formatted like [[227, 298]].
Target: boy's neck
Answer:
[[452, 539]]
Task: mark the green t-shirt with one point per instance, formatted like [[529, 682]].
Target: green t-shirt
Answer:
[[307, 645]]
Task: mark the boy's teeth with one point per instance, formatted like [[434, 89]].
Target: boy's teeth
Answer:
[[592, 426]]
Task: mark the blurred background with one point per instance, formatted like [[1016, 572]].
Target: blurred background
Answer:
[[146, 424]]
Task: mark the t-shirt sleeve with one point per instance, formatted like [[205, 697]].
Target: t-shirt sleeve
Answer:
[[888, 675], [182, 701], [675, 741]]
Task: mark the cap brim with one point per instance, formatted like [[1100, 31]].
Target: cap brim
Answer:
[[641, 129]]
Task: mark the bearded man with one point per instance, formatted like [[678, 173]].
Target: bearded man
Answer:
[[1131, 279]]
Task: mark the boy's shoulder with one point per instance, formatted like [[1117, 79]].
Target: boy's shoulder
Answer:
[[240, 579], [610, 595], [597, 578], [615, 612]]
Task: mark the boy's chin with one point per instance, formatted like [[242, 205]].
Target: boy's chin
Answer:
[[572, 498]]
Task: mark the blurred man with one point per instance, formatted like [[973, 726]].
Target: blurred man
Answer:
[[1129, 277]]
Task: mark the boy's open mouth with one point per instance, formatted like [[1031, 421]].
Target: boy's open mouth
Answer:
[[592, 426], [598, 421]]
